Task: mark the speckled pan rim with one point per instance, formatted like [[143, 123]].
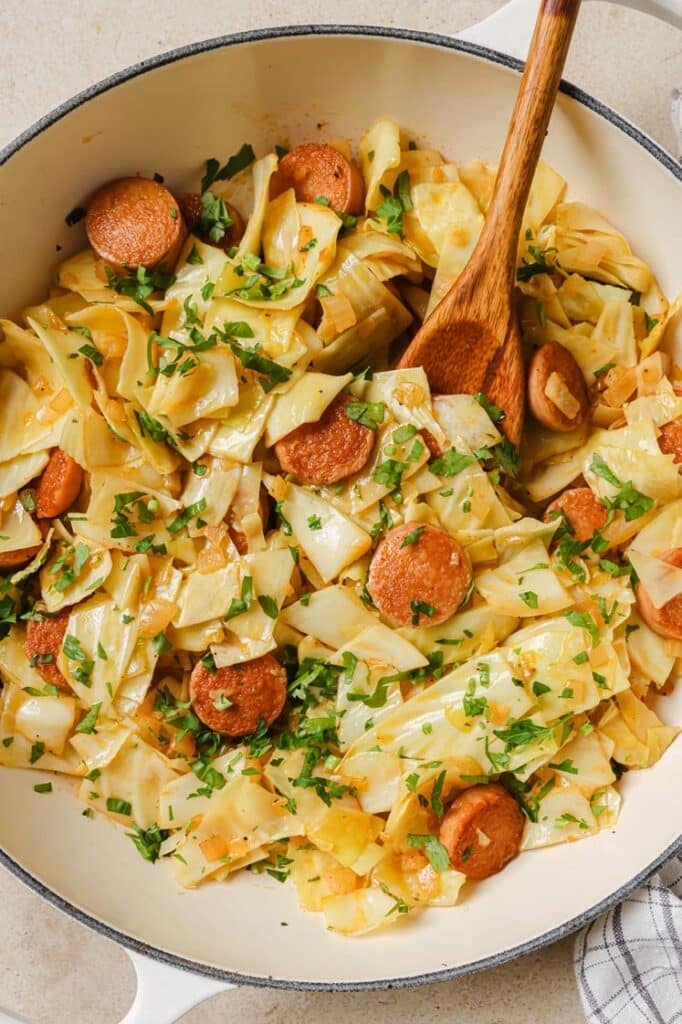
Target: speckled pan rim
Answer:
[[448, 973]]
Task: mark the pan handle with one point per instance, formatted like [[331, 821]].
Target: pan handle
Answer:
[[509, 29], [164, 994]]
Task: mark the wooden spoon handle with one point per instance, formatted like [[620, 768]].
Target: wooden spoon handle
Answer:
[[530, 119]]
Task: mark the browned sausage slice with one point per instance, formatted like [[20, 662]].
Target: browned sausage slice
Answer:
[[15, 559], [59, 485], [670, 441], [43, 641], [482, 830], [191, 207], [135, 222], [325, 452], [419, 575], [557, 393], [582, 508], [666, 620], [316, 169], [234, 700]]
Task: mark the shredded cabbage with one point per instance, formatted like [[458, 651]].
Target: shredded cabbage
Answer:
[[133, 621]]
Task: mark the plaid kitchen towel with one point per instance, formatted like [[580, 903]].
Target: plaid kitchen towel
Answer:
[[628, 963]]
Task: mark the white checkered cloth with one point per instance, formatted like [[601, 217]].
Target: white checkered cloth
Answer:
[[628, 963]]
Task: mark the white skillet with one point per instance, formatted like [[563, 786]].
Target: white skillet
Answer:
[[169, 114]]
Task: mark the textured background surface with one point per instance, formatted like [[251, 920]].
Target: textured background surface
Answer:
[[51, 969]]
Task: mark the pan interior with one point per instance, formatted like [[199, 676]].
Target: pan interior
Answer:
[[286, 90]]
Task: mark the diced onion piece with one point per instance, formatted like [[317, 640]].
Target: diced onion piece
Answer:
[[338, 313], [558, 392]]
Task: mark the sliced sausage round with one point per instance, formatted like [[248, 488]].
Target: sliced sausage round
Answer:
[[233, 700], [192, 209], [17, 559], [329, 450], [59, 485], [482, 830], [419, 575], [582, 508], [135, 222], [43, 642], [666, 620], [557, 392], [316, 170], [670, 441]]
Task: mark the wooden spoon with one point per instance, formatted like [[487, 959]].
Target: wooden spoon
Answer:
[[471, 342]]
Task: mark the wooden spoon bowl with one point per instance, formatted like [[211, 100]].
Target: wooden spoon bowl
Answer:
[[471, 342]]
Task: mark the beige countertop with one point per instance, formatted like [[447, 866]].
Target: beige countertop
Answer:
[[54, 970]]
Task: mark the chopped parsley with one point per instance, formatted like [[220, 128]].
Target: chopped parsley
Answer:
[[74, 652], [37, 751], [628, 499], [139, 284], [88, 722], [433, 848], [494, 412], [161, 644], [566, 765], [421, 608], [270, 373], [211, 777], [239, 605], [538, 264], [214, 218], [263, 282], [117, 806], [240, 160], [154, 429], [473, 706], [187, 514], [585, 621], [395, 204], [68, 566], [384, 522], [148, 840], [180, 715], [413, 536], [437, 795], [451, 463], [269, 605], [369, 414]]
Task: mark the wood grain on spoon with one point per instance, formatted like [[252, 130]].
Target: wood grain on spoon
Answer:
[[471, 341]]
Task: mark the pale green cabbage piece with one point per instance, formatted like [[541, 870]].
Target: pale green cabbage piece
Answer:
[[95, 570], [20, 470], [335, 615], [380, 317], [336, 543], [524, 584], [206, 596], [382, 141], [305, 402], [252, 632], [18, 529], [136, 775], [62, 346]]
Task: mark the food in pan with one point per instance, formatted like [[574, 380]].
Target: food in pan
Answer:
[[275, 606]]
